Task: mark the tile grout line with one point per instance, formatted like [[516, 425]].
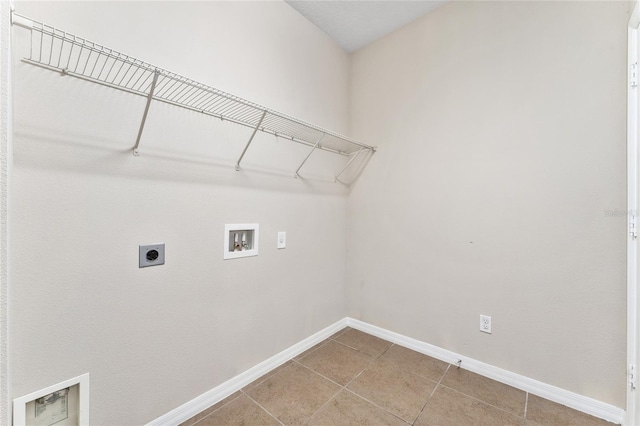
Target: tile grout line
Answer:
[[337, 334], [334, 339], [255, 383], [291, 361], [369, 401], [223, 405], [332, 381], [396, 366], [505, 411], [343, 388], [483, 402], [376, 405], [317, 347], [478, 399], [431, 394], [347, 346], [259, 405], [320, 345], [400, 366], [439, 381], [334, 395], [314, 372], [386, 350], [373, 360], [318, 374], [324, 405]]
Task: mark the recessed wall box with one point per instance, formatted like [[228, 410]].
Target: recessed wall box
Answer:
[[151, 255], [66, 402], [240, 240]]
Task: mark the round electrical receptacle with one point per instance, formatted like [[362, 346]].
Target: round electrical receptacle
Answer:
[[152, 255]]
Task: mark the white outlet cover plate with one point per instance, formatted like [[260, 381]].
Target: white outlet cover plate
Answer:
[[282, 240], [485, 324]]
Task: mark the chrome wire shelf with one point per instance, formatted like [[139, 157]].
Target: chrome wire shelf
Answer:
[[75, 56]]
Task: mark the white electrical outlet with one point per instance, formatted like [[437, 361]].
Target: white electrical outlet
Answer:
[[485, 324]]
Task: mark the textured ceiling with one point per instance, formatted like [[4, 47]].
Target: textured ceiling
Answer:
[[354, 24]]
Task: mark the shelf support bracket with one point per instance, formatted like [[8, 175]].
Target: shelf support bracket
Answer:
[[353, 157], [250, 140], [309, 155], [146, 111]]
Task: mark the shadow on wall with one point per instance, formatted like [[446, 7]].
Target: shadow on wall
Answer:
[[73, 125], [75, 154]]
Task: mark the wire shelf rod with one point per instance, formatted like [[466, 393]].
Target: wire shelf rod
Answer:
[[200, 99], [244, 151], [132, 75], [189, 95], [167, 84], [200, 96], [308, 155], [90, 79], [179, 88], [143, 81], [204, 100], [353, 157], [210, 100], [124, 75], [142, 94], [224, 106], [75, 56], [218, 105], [144, 115], [284, 128], [249, 116], [233, 109]]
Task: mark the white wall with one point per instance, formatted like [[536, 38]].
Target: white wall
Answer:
[[501, 134], [155, 338], [5, 173]]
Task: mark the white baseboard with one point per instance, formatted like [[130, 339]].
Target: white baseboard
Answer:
[[578, 402], [573, 400], [217, 394]]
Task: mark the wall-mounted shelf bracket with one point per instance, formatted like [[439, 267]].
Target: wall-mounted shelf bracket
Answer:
[[255, 130], [308, 155], [146, 110], [353, 157]]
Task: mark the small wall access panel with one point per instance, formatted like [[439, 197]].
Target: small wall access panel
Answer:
[[240, 240], [64, 404]]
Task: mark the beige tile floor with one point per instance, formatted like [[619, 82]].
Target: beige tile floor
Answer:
[[353, 378]]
